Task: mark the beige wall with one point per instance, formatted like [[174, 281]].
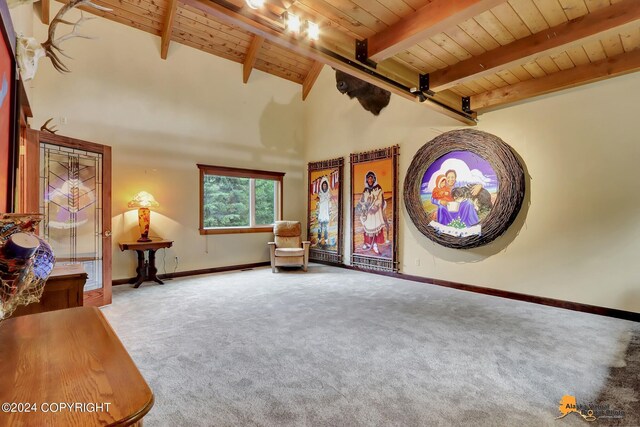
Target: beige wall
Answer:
[[579, 238], [161, 118]]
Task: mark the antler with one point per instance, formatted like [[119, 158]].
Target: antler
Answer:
[[45, 127], [52, 45]]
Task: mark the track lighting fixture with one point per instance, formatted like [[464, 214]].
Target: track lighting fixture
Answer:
[[292, 22], [312, 30], [294, 25]]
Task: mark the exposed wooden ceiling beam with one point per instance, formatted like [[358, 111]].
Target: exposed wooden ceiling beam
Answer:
[[311, 78], [237, 3], [429, 20], [252, 55], [548, 42], [580, 75], [168, 28], [230, 17], [45, 11]]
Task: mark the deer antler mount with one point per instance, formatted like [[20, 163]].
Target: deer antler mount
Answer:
[[45, 127], [30, 51]]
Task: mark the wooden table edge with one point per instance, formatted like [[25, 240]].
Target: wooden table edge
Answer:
[[133, 415], [144, 410], [133, 418]]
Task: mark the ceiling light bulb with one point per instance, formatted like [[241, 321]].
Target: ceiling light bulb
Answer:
[[255, 4], [293, 23], [313, 30]]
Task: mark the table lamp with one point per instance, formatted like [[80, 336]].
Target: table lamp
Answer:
[[143, 201]]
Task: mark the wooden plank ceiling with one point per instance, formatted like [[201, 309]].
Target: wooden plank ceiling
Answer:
[[494, 52]]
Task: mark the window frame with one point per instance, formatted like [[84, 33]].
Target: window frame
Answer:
[[252, 174]]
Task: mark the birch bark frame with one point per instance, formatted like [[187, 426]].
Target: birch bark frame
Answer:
[[369, 254], [506, 206], [316, 251]]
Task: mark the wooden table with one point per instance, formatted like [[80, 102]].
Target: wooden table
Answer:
[[64, 289], [70, 356], [146, 270]]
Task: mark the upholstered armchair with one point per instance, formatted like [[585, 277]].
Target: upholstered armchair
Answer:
[[288, 247]]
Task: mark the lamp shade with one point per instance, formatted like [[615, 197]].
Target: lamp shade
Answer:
[[143, 200]]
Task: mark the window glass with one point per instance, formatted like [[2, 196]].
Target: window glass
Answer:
[[237, 200], [226, 201], [265, 201]]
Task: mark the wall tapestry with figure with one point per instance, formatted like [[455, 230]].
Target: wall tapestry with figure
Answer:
[[324, 217], [464, 188], [374, 212]]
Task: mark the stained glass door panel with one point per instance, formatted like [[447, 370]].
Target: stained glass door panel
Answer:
[[71, 200]]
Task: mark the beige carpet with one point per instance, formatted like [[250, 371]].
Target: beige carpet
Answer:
[[335, 347]]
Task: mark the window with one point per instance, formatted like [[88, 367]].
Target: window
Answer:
[[239, 200]]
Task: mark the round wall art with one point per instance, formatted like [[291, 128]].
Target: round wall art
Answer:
[[464, 188]]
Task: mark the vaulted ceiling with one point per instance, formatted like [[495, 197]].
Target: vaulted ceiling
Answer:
[[487, 53]]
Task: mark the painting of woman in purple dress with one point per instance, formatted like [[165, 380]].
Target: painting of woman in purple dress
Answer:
[[458, 191]]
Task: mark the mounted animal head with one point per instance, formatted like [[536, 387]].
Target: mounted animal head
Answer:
[[29, 51], [371, 97]]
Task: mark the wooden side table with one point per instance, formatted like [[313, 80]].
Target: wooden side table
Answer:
[[146, 270], [68, 357]]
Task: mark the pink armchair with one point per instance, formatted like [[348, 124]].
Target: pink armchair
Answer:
[[288, 248]]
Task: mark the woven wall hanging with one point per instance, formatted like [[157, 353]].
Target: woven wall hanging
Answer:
[[464, 188], [324, 210], [374, 209]]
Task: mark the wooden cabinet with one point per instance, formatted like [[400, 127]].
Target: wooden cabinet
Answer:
[[64, 289]]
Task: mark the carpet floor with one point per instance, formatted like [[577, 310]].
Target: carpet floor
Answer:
[[335, 347]]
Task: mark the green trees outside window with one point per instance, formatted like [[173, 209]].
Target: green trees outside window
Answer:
[[265, 201], [226, 201]]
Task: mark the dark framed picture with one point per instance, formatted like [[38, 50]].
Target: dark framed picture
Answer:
[[464, 188], [374, 212], [324, 210], [8, 120]]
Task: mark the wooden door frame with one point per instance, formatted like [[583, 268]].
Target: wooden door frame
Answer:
[[92, 297], [29, 172]]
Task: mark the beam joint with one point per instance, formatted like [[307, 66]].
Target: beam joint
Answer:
[[424, 83], [466, 104], [362, 54]]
